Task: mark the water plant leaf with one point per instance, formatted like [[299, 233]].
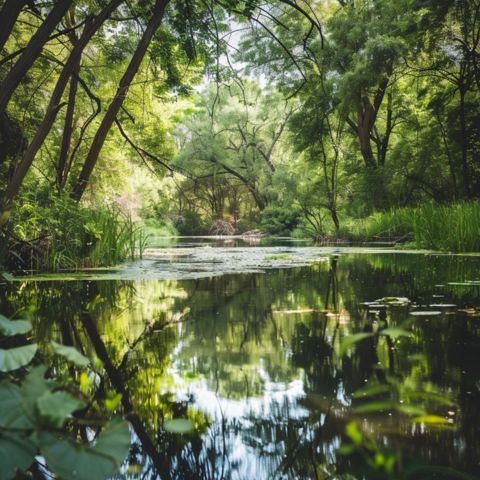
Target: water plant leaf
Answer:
[[71, 354], [15, 358], [70, 460], [57, 406], [395, 332], [16, 452], [179, 425], [371, 390], [33, 387], [352, 340], [14, 327], [11, 410]]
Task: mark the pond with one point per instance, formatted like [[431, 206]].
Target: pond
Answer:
[[249, 344]]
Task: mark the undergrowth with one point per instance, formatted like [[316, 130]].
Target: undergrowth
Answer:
[[454, 227]]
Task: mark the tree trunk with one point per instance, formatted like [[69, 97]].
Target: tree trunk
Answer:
[[8, 16], [464, 143], [67, 130], [364, 128], [54, 105], [118, 100], [31, 52]]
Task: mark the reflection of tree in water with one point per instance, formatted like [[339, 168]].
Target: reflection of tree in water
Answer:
[[246, 338]]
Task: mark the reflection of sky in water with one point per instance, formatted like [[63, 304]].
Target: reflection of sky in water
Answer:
[[242, 452]]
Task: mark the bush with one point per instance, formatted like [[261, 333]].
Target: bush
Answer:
[[280, 221], [190, 223]]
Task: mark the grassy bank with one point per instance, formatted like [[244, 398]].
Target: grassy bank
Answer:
[[61, 235], [452, 228]]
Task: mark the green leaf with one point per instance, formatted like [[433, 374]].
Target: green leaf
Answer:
[[410, 409], [16, 451], [8, 276], [56, 407], [12, 414], [179, 426], [395, 332], [112, 402], [71, 354], [14, 358], [431, 396], [433, 420], [371, 390], [374, 407], [354, 433], [75, 461], [33, 387], [351, 340], [14, 327]]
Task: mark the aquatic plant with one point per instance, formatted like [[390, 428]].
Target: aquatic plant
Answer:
[[36, 413], [453, 227]]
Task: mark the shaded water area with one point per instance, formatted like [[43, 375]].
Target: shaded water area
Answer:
[[252, 355]]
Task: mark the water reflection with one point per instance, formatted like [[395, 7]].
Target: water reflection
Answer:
[[254, 360]]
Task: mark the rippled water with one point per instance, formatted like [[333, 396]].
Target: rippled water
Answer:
[[253, 356]]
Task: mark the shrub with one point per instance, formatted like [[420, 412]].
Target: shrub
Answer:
[[280, 221]]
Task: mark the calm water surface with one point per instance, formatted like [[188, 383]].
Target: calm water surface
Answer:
[[253, 359]]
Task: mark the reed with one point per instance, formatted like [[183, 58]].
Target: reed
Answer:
[[454, 227]]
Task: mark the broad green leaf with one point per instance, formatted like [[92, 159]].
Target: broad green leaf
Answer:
[[56, 407], [74, 461], [114, 440], [33, 387], [16, 452], [371, 390], [14, 358], [179, 425], [395, 332], [14, 327], [351, 340], [12, 414], [374, 407], [71, 354]]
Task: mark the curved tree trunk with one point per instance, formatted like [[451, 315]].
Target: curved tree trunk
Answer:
[[55, 101], [31, 52], [8, 16], [117, 102]]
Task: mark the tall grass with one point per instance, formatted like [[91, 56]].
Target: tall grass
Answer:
[[64, 235], [453, 228]]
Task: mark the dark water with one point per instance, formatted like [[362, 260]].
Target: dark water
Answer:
[[253, 359]]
